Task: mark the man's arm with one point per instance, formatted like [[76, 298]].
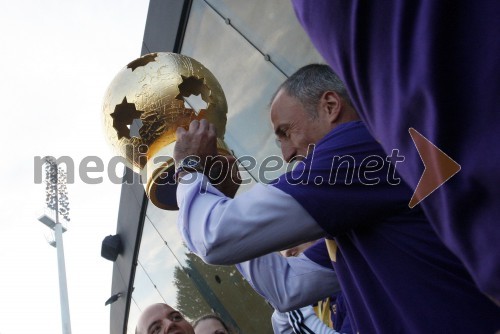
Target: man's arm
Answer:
[[221, 230], [289, 283]]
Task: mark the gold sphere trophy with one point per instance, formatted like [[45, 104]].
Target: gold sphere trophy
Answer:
[[145, 104]]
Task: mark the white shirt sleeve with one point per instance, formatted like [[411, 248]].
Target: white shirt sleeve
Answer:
[[222, 230], [289, 283], [280, 323], [301, 321]]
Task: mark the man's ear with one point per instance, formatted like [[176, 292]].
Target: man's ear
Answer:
[[331, 106]]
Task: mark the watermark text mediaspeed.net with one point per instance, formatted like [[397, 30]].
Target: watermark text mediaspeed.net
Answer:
[[344, 169]]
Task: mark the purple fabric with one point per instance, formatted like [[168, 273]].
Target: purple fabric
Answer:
[[434, 66], [318, 253], [395, 273], [340, 316]]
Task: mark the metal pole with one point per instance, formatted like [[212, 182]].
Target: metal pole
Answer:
[[63, 287]]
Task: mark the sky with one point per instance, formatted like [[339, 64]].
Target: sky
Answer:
[[57, 59]]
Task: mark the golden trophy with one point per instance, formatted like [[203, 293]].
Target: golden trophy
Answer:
[[145, 104]]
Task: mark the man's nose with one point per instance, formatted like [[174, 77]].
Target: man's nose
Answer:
[[291, 252], [288, 152], [168, 325]]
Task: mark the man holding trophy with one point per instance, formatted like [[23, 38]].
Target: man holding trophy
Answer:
[[396, 274]]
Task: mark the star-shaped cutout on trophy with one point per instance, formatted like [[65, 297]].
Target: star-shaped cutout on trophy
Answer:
[[123, 116], [195, 94], [142, 61]]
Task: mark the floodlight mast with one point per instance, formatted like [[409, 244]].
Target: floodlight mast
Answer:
[[57, 200]]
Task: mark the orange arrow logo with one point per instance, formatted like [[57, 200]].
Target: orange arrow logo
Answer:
[[439, 167]]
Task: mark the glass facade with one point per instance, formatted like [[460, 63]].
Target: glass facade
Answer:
[[250, 47]]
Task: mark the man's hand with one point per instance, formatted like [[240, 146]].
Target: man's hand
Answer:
[[199, 140]]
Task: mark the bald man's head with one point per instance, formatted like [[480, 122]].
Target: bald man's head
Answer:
[[162, 319]]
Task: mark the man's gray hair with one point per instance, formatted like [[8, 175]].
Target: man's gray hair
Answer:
[[310, 82]]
